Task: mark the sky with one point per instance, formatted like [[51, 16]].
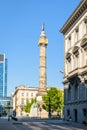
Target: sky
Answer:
[[20, 27]]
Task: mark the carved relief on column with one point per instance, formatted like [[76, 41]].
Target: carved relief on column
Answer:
[[81, 79]]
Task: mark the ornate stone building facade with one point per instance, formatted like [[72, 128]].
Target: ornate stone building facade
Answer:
[[21, 95], [75, 64]]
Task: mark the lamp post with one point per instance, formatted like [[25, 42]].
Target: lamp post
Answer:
[[49, 109], [40, 111]]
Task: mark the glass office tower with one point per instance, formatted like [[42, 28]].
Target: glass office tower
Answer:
[[6, 104], [3, 76]]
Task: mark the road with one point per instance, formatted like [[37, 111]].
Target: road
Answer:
[[35, 124]]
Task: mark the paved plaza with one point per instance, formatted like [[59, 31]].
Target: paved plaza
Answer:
[[39, 124]]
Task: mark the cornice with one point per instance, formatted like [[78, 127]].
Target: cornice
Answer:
[[74, 16]]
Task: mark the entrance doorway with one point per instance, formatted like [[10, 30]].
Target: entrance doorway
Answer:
[[76, 115]]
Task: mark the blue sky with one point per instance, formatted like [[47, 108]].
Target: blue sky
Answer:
[[20, 28]]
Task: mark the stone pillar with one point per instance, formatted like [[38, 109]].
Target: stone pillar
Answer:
[[42, 78]]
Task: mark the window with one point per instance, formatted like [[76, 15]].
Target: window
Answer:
[[86, 88], [85, 27], [22, 101], [76, 90], [76, 61], [76, 56], [22, 94], [26, 94], [84, 47], [86, 92], [68, 112], [68, 59], [76, 34], [31, 94], [69, 93], [69, 42], [69, 65], [86, 55], [85, 112], [27, 100]]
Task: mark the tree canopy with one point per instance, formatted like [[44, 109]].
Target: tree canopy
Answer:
[[27, 107], [54, 99]]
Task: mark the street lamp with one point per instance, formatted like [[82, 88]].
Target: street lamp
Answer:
[[61, 72], [49, 108], [40, 111]]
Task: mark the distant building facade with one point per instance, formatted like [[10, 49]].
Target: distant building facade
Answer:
[[75, 64], [6, 106], [21, 95], [3, 76]]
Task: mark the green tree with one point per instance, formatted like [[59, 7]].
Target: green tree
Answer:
[[54, 100], [27, 107]]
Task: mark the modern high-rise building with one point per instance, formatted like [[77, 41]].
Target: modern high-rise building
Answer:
[[3, 76], [5, 102]]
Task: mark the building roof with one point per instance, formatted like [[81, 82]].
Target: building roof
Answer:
[[81, 8], [22, 87]]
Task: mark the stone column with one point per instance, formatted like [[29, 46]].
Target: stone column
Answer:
[[43, 41]]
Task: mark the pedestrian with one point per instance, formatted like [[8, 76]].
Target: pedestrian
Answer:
[[8, 118]]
